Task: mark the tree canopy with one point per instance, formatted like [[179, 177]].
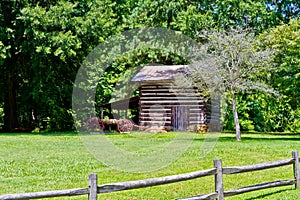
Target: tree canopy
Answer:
[[231, 62], [43, 44]]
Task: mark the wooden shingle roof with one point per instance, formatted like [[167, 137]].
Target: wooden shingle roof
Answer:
[[158, 73]]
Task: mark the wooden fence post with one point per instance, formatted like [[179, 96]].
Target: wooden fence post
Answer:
[[93, 186], [219, 179], [296, 169]]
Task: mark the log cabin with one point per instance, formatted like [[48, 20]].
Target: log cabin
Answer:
[[161, 103]]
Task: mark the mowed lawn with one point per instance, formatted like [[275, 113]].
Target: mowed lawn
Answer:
[[55, 161]]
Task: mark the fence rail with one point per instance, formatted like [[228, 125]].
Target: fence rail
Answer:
[[153, 181], [47, 194], [218, 171]]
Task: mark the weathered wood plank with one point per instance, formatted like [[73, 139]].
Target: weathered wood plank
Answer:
[[249, 168], [242, 190], [169, 106], [170, 94], [160, 90], [155, 118], [166, 123], [219, 179], [153, 181], [170, 91], [167, 86], [259, 187], [198, 118], [173, 98], [46, 194], [196, 114], [172, 101], [162, 110], [93, 186], [296, 169], [155, 128], [156, 112], [211, 196]]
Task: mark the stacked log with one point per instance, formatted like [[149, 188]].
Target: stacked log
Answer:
[[120, 125]]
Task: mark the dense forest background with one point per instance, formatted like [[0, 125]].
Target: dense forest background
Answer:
[[43, 44]]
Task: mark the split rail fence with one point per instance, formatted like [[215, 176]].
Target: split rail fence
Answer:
[[218, 171]]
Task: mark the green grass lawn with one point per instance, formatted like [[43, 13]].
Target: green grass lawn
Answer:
[[55, 161]]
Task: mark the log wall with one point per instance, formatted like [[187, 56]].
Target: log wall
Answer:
[[158, 100]]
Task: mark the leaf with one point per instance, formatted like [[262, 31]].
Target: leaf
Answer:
[[39, 49], [48, 50], [58, 51]]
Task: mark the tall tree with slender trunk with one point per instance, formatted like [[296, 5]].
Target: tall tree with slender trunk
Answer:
[[237, 61]]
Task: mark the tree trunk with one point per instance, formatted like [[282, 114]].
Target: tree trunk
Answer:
[[236, 118], [10, 106]]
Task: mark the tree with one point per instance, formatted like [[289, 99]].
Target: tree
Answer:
[[237, 61], [192, 16], [44, 45], [256, 14], [286, 78], [283, 10], [10, 32]]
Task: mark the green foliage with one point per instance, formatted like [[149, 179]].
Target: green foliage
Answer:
[[1, 115], [240, 13], [284, 10], [265, 112], [190, 21], [286, 79], [191, 17], [285, 39], [54, 38], [231, 62], [157, 13], [3, 52], [43, 43]]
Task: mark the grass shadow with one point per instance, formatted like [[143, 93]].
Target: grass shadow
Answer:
[[263, 196], [248, 137], [67, 133]]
